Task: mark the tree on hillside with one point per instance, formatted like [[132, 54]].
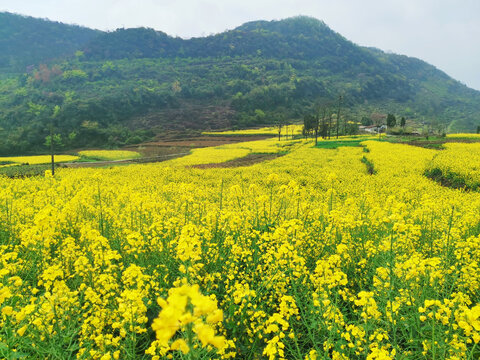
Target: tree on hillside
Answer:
[[366, 121], [391, 120], [402, 121]]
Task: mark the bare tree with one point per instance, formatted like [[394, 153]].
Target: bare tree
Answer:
[[378, 119], [329, 124], [340, 99], [322, 112], [280, 123]]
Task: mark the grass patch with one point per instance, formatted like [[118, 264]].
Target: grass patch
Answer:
[[6, 162], [450, 179], [21, 171], [369, 164], [434, 146], [108, 155], [333, 144], [408, 138], [36, 159], [250, 159], [432, 142]]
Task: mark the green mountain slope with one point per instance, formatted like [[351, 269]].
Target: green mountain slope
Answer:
[[132, 84]]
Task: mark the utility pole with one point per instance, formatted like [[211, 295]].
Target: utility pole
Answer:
[[56, 110]]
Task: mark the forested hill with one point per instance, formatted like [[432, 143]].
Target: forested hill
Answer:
[[129, 85], [294, 38], [28, 41]]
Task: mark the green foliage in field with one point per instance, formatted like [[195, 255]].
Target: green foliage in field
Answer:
[[21, 171], [339, 143], [100, 155]]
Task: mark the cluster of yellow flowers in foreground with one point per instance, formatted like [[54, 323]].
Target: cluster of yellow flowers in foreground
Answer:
[[110, 154], [175, 315], [306, 256], [36, 159]]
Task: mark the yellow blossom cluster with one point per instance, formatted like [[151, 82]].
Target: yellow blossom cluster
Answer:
[[187, 310]]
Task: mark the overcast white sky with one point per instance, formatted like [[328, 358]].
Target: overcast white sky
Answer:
[[445, 33]]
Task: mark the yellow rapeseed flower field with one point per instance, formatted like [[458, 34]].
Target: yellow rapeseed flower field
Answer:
[[224, 153], [463, 136], [307, 256], [295, 129], [458, 165], [110, 154]]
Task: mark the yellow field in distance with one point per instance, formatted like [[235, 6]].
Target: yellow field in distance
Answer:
[[272, 130], [110, 154], [463, 136], [37, 159], [223, 153]]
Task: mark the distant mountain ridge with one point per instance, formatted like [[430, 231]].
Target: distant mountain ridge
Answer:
[[25, 40], [297, 38], [129, 85]]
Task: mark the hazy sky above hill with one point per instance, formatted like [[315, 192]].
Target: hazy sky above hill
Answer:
[[445, 33]]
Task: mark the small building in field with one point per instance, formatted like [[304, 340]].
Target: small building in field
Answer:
[[373, 129]]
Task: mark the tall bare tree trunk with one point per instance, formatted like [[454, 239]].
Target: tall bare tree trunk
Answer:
[[329, 125], [338, 113], [52, 150]]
